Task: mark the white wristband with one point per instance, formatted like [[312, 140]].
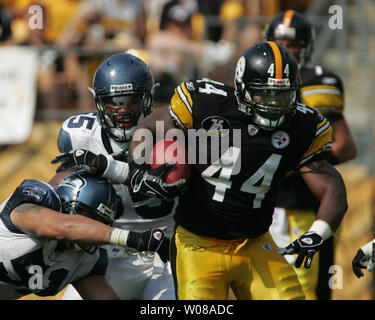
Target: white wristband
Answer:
[[322, 228], [116, 171], [118, 237], [367, 249]]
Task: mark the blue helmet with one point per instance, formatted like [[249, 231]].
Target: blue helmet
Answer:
[[123, 91], [82, 193]]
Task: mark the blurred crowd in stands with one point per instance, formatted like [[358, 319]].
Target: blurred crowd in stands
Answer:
[[177, 39]]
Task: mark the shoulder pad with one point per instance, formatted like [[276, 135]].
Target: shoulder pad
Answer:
[[30, 191], [302, 108]]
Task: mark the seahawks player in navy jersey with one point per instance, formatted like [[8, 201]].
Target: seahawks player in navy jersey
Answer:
[[123, 88], [51, 237], [222, 220]]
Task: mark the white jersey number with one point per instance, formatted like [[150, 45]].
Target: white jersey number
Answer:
[[227, 163]]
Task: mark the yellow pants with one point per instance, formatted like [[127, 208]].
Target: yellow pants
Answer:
[[204, 268], [294, 223]]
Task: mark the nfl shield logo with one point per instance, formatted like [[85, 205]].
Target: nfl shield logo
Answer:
[[252, 130]]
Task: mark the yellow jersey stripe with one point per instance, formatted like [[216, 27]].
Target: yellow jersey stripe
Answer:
[[184, 98], [324, 126], [177, 120], [322, 123], [322, 142], [278, 60], [320, 89], [327, 147], [180, 112], [187, 94], [287, 19], [326, 99]]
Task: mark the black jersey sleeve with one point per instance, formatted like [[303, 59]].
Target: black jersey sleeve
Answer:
[[30, 191]]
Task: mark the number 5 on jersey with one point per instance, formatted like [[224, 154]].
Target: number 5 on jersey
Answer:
[[228, 162]]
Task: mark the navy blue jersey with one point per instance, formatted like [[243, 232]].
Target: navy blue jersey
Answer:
[[29, 264]]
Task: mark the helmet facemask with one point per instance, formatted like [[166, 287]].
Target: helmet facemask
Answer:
[[120, 114], [271, 107], [123, 89]]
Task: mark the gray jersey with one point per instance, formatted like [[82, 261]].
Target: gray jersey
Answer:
[[30, 264], [83, 131]]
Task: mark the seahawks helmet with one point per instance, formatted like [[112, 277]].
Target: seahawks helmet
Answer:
[[123, 92], [82, 193], [292, 25], [267, 81]]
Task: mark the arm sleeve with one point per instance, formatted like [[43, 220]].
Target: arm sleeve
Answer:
[[321, 144], [64, 142], [30, 191], [181, 108]]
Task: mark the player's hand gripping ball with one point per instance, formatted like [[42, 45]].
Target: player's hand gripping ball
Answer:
[[165, 151]]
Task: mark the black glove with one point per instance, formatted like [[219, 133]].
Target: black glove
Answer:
[[151, 240], [359, 260], [150, 182], [358, 263], [81, 159], [305, 246]]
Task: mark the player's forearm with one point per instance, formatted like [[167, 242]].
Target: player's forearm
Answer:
[[333, 205], [326, 183], [46, 223], [84, 230]]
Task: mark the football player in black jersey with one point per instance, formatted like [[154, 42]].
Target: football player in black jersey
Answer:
[[222, 220], [322, 90]]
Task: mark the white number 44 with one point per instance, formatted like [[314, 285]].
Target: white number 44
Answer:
[[228, 162]]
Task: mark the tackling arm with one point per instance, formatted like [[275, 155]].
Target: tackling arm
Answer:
[[327, 185], [46, 223]]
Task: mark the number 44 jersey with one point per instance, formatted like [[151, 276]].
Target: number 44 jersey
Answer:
[[233, 186]]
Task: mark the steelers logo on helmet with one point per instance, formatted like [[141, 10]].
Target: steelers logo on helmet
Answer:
[[267, 80]]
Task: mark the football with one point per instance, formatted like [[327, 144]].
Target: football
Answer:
[[171, 150]]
